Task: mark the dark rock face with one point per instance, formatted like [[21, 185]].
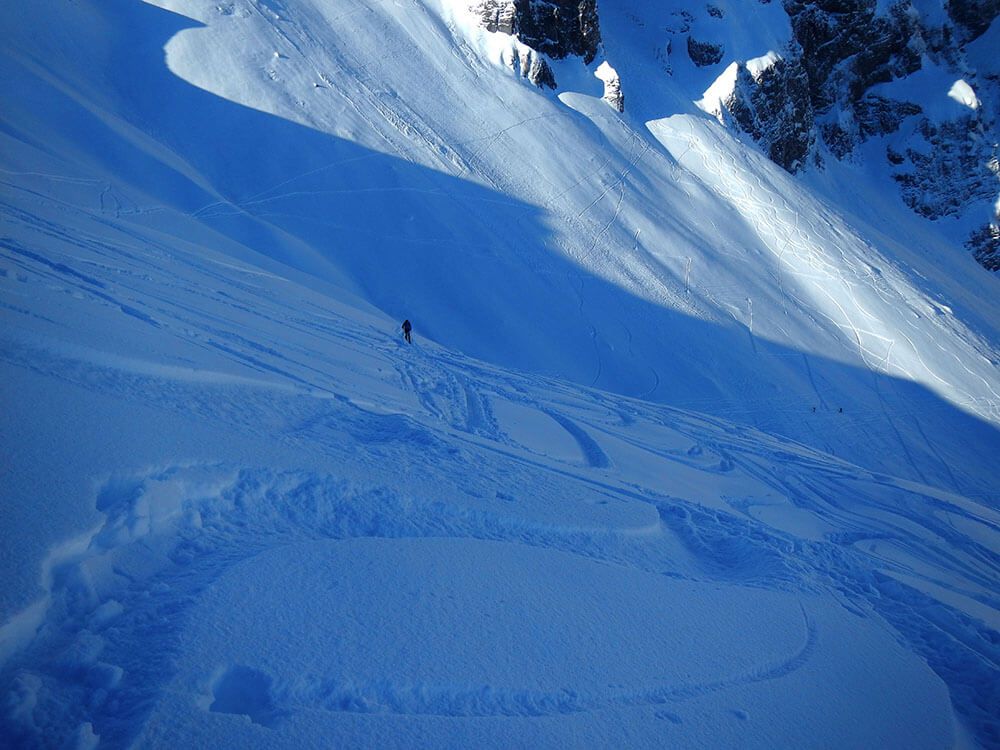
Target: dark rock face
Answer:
[[877, 115], [868, 117], [973, 17], [844, 49], [818, 92], [984, 244], [952, 168], [536, 69], [704, 54], [557, 28], [775, 109], [498, 15]]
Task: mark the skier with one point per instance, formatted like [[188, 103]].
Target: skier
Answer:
[[406, 331]]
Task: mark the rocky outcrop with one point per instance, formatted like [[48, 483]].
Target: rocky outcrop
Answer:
[[536, 69], [953, 167], [552, 28], [839, 50], [817, 91], [878, 115], [612, 86], [984, 244], [498, 15], [972, 17], [557, 28], [866, 118], [770, 102], [846, 48], [817, 97], [704, 54], [560, 28]]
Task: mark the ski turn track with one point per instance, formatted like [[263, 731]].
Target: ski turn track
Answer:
[[134, 611]]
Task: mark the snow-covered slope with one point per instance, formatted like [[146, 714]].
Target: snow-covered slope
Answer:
[[684, 448], [662, 260], [296, 530]]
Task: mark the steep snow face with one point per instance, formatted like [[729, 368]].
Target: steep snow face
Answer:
[[654, 257], [721, 91]]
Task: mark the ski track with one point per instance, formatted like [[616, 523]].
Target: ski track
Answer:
[[851, 273], [245, 511]]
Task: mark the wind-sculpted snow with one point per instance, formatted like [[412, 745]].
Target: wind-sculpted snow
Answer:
[[187, 587]]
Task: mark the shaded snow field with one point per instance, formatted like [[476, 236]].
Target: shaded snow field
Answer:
[[348, 540]]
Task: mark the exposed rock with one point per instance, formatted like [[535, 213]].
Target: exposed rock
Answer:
[[984, 243], [846, 49], [877, 115], [770, 102], [704, 54], [871, 116], [498, 15], [973, 17], [954, 167], [819, 95], [535, 68], [557, 28], [612, 86], [839, 50]]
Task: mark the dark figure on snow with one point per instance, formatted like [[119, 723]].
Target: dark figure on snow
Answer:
[[406, 331]]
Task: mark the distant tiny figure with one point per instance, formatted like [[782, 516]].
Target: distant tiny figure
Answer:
[[406, 331]]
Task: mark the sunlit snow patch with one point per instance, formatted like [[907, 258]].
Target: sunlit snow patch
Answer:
[[720, 91], [962, 93], [759, 65]]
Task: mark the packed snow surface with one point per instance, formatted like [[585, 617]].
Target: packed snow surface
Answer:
[[685, 452]]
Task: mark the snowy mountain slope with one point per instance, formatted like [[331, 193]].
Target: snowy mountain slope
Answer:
[[904, 90], [204, 259], [480, 196], [286, 528]]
